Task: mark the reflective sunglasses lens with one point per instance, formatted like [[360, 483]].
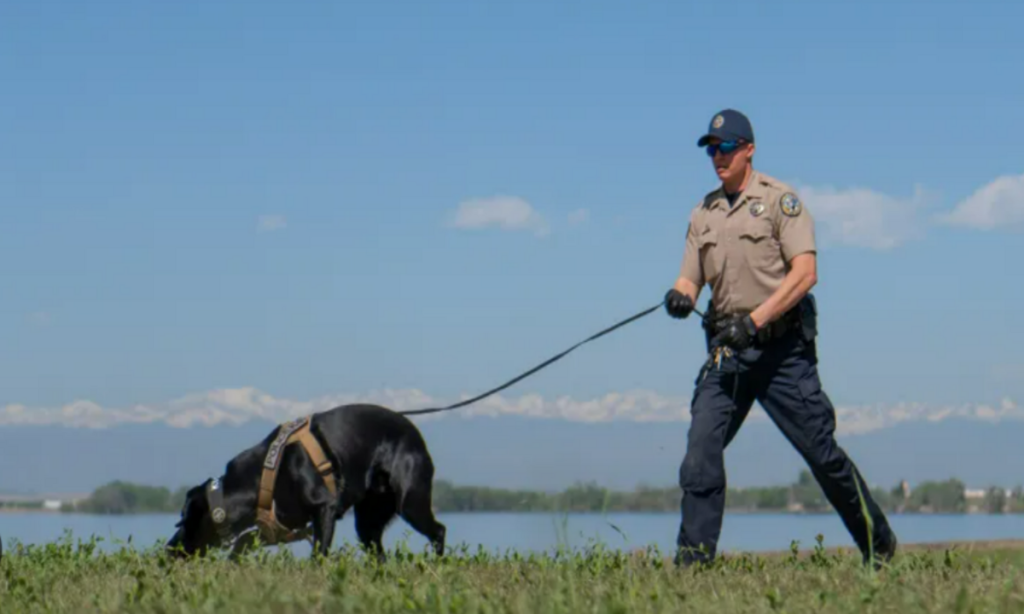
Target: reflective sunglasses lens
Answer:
[[726, 148]]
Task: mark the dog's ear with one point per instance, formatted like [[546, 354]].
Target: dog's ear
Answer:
[[195, 505]]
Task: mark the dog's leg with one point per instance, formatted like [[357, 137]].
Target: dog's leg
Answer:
[[372, 516], [417, 511], [243, 544], [323, 528]]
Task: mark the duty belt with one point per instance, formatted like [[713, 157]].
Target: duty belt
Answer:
[[774, 330]]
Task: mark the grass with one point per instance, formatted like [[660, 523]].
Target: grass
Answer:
[[75, 576]]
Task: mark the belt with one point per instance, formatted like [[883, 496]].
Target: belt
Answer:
[[789, 322]]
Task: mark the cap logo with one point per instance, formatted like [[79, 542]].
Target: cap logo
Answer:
[[717, 122], [790, 204]]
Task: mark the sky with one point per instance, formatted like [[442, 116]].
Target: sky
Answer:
[[213, 212]]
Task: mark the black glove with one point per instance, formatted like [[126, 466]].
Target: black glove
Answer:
[[738, 333], [677, 304]]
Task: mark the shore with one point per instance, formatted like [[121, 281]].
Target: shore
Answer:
[[967, 546]]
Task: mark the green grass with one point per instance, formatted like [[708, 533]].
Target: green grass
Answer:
[[74, 576]]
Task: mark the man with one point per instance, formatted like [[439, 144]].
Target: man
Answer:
[[752, 240]]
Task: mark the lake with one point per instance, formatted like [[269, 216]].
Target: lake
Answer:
[[543, 532]]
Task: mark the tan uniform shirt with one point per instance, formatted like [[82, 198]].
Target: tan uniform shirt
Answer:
[[743, 251]]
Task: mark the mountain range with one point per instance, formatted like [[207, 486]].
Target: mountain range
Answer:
[[516, 452]]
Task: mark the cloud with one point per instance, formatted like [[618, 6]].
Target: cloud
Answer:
[[270, 223], [578, 216], [997, 204], [861, 217], [239, 405], [504, 212]]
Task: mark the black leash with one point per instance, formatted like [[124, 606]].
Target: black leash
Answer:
[[541, 365]]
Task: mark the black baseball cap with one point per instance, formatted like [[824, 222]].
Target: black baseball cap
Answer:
[[728, 125]]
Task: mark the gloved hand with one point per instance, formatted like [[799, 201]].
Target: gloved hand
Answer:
[[738, 333], [677, 304]]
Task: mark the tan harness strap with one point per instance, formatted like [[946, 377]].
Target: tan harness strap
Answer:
[[271, 530], [317, 456]]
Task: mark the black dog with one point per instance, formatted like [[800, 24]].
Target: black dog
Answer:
[[378, 455]]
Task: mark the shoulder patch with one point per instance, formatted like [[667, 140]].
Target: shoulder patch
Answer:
[[790, 204]]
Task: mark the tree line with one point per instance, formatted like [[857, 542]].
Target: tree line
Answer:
[[803, 495], [127, 498]]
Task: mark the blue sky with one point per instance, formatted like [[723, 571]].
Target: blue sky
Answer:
[[209, 196]]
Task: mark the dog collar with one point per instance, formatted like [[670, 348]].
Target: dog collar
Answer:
[[219, 515]]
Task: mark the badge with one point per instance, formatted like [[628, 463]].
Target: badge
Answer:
[[718, 121], [790, 204], [757, 208], [218, 515]]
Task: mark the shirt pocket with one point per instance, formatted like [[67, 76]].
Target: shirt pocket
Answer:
[[758, 243], [710, 255]]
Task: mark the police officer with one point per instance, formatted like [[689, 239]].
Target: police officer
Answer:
[[752, 240]]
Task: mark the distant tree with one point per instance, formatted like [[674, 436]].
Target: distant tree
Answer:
[[946, 497], [808, 493], [1016, 502], [772, 499], [995, 500], [885, 499], [126, 498]]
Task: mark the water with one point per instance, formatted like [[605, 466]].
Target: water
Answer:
[[543, 532]]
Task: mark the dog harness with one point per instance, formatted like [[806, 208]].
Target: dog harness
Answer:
[[271, 530]]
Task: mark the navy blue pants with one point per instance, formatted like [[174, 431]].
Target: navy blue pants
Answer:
[[782, 375]]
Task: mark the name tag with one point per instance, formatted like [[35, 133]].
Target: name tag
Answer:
[[277, 446]]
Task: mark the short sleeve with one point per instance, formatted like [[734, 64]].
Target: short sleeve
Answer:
[[691, 267], [795, 226]]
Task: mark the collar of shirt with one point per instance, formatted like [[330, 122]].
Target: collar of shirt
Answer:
[[754, 191]]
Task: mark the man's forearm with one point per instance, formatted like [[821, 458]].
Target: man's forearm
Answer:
[[688, 288], [797, 283]]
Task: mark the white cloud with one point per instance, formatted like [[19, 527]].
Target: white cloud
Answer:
[[505, 212], [999, 203], [239, 405], [270, 223], [578, 216], [864, 218]]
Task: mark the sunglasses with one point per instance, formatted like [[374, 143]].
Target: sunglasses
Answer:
[[726, 147]]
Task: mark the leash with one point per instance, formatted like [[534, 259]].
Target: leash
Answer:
[[547, 362]]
